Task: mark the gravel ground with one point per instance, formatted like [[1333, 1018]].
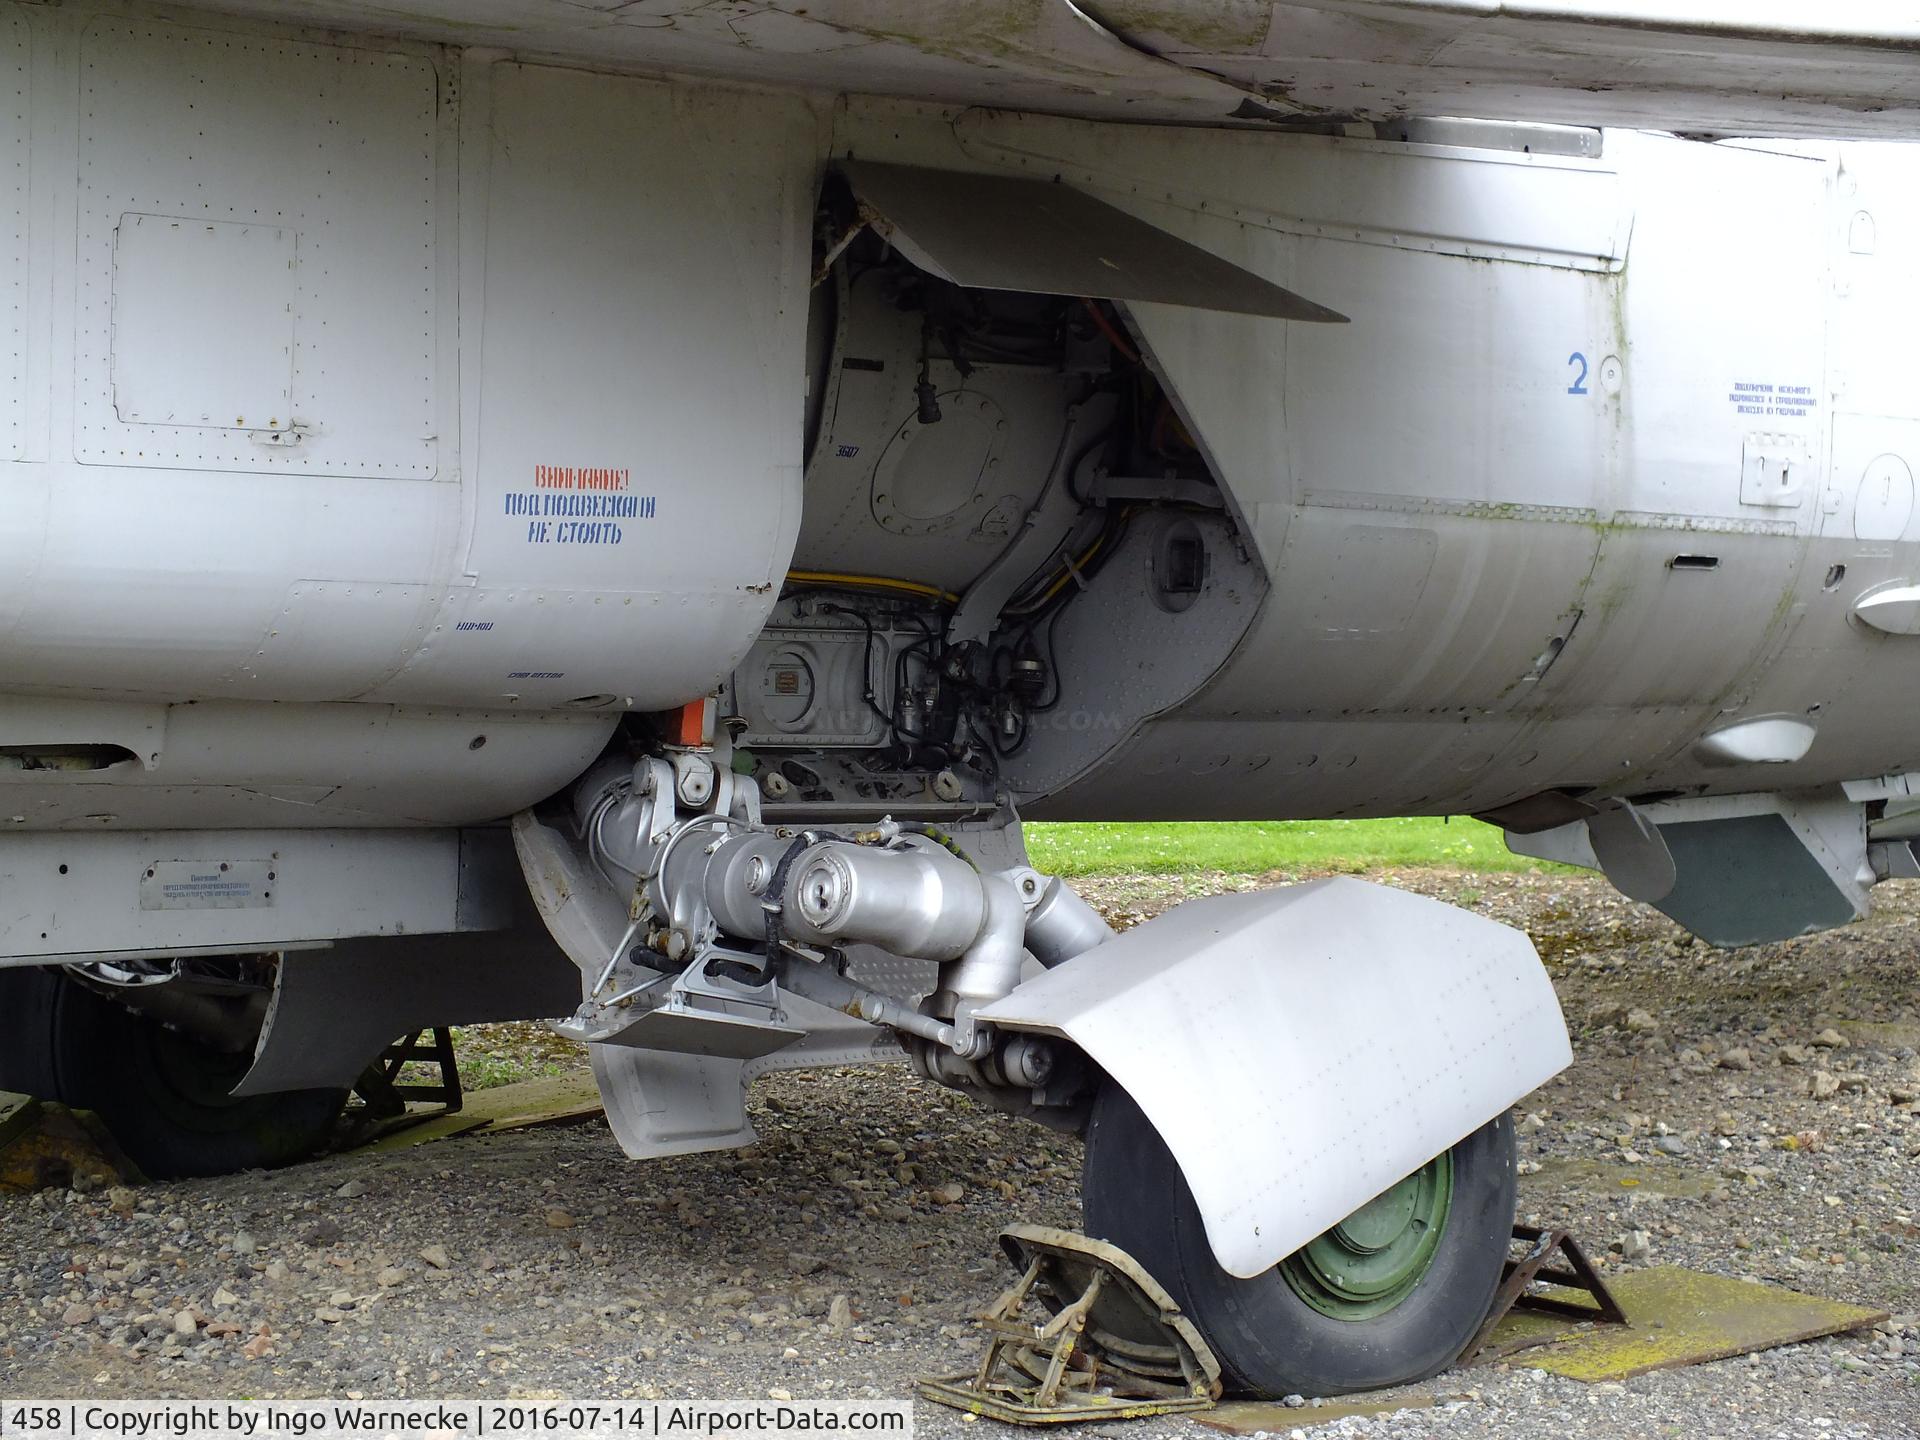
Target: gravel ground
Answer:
[[1763, 1101]]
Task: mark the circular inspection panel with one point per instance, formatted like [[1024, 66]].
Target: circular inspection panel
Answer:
[[937, 477], [1885, 503]]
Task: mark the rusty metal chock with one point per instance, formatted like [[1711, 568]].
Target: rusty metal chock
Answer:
[[1112, 1344], [1534, 1266]]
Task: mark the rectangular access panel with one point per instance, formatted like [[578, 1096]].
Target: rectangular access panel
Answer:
[[257, 254]]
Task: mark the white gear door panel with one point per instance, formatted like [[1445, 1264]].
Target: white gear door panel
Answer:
[[1303, 1048], [256, 254]]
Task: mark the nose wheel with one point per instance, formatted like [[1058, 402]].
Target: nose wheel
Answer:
[[1391, 1294], [1375, 1258]]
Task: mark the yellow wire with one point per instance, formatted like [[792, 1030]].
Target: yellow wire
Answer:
[[872, 582], [1066, 576], [915, 587]]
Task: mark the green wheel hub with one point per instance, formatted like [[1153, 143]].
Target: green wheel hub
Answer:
[[1373, 1259]]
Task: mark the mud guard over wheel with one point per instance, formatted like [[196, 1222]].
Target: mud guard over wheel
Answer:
[[1302, 1050], [1302, 1128], [1391, 1294]]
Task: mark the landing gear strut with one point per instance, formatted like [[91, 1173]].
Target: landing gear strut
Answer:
[[1311, 1259]]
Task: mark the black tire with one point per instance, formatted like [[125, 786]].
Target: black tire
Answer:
[[27, 1023], [162, 1094], [1270, 1341]]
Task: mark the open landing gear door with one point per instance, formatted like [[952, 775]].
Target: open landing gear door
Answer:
[[1001, 232]]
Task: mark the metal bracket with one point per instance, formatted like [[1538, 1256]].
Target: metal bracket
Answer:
[[1531, 1268], [1108, 489], [386, 1098], [1053, 516], [683, 1011], [1112, 1345]]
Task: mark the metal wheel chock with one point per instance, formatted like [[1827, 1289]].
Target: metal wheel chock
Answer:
[[1532, 1267], [384, 1093], [1108, 1342]]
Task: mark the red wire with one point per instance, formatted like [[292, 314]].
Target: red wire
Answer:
[[1106, 328]]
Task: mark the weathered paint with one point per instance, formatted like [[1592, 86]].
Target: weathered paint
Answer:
[[1677, 1317], [1697, 72]]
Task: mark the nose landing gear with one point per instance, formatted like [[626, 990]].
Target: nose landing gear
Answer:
[[1391, 1294]]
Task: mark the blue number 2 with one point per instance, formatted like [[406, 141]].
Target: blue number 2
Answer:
[[1579, 386]]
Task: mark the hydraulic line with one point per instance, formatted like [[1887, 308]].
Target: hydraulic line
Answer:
[[834, 579]]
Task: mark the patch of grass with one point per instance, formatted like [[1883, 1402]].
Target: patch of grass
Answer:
[[484, 1072], [1255, 847], [502, 1054]]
